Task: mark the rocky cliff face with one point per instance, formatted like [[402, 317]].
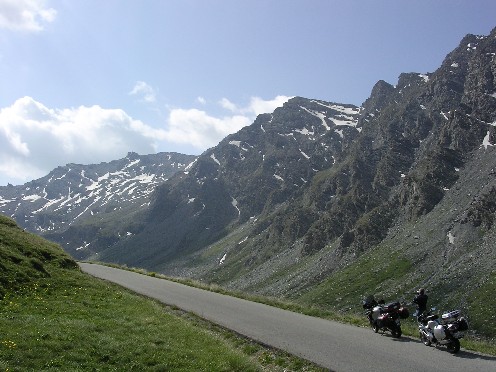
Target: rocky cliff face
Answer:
[[249, 174]]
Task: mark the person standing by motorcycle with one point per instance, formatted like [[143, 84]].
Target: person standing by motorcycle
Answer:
[[421, 301]]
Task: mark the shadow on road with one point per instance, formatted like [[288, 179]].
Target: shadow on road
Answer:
[[401, 339], [473, 355], [466, 354]]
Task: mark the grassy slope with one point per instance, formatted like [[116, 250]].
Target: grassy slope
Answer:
[[53, 317], [386, 274]]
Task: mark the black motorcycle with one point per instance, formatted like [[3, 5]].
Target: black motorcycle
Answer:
[[385, 317]]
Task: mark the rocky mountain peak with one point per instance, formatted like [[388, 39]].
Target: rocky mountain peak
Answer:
[[379, 96], [132, 156]]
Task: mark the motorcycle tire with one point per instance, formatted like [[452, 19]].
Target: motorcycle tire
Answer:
[[454, 346], [424, 339], [396, 333], [375, 328]]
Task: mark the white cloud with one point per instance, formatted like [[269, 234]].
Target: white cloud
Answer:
[[25, 15], [259, 106], [197, 128], [228, 105], [145, 91], [201, 130], [35, 139], [201, 100], [256, 106]]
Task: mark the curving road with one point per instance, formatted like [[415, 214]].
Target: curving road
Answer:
[[339, 347]]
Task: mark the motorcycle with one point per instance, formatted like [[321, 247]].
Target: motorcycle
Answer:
[[385, 317], [445, 331]]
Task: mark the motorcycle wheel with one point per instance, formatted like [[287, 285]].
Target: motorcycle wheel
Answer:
[[454, 346], [375, 328], [424, 339], [396, 333]]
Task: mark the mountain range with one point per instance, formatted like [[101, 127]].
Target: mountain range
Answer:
[[80, 195], [320, 202]]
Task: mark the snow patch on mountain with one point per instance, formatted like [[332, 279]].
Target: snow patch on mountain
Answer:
[[425, 77], [214, 159], [319, 115], [304, 155], [339, 108], [305, 132], [486, 141], [70, 192], [31, 198], [234, 203]]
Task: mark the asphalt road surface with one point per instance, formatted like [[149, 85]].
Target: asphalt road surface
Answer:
[[333, 345]]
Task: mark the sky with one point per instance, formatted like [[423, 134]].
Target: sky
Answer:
[[87, 81]]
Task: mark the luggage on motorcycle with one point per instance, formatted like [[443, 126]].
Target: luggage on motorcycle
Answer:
[[450, 317], [392, 306], [431, 324], [439, 332], [462, 324], [376, 312], [403, 312], [383, 321], [369, 302]]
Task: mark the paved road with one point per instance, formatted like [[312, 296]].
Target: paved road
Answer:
[[336, 346]]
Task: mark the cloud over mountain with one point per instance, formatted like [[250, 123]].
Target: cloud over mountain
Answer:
[[35, 138]]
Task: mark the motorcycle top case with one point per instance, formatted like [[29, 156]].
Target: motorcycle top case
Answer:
[[369, 302], [451, 316], [392, 306]]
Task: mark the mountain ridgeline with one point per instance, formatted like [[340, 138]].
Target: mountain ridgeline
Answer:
[[72, 203], [325, 202]]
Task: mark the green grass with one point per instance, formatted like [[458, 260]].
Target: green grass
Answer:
[[82, 324], [369, 275], [25, 257], [481, 305], [54, 317]]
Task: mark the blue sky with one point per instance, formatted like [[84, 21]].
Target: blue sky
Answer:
[[86, 81]]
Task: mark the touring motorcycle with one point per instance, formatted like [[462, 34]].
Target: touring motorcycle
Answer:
[[385, 317], [445, 331]]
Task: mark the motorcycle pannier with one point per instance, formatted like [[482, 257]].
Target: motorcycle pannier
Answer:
[[462, 324], [439, 332], [404, 313], [376, 312]]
